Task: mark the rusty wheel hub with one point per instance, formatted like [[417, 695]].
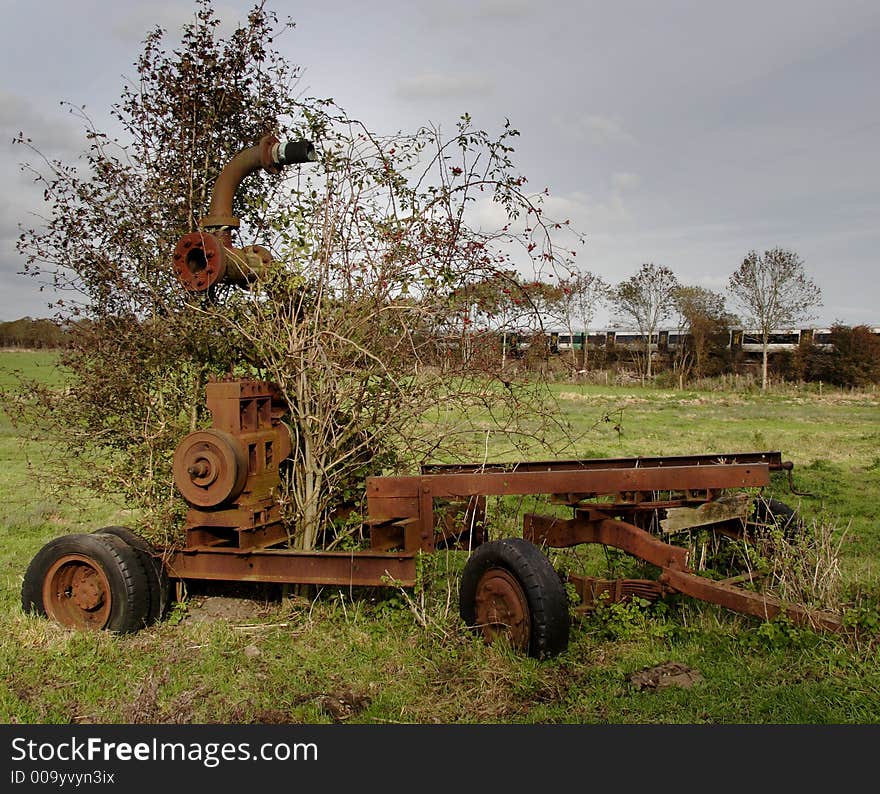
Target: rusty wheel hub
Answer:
[[502, 609], [76, 593]]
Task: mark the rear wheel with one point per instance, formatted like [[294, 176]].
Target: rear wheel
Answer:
[[773, 515], [88, 582], [157, 576], [509, 589]]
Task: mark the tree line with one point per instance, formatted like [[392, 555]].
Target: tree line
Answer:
[[767, 291], [27, 333]]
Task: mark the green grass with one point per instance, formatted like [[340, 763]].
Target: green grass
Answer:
[[40, 365], [366, 657]]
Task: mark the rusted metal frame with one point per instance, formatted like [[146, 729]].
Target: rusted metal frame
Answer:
[[592, 526], [400, 498], [287, 566], [772, 459], [246, 515], [389, 535], [591, 589], [597, 481], [421, 535], [235, 537], [747, 602], [644, 503]]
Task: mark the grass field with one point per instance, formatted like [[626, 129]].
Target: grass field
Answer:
[[251, 656]]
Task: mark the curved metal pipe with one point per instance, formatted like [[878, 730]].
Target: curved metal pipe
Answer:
[[205, 258], [245, 163], [270, 155]]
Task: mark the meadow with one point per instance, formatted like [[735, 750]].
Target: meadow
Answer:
[[257, 655]]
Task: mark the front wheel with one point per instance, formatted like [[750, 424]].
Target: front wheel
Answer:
[[509, 589], [88, 582]]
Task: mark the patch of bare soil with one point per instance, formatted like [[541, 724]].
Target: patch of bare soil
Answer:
[[665, 675], [343, 704], [234, 602], [232, 609]]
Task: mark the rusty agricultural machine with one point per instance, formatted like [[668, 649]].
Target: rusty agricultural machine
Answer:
[[228, 474]]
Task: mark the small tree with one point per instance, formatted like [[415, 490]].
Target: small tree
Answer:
[[773, 290], [704, 324], [580, 296], [138, 359], [645, 300], [369, 249], [375, 266]]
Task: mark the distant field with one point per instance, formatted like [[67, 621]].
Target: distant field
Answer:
[[392, 657], [31, 364]]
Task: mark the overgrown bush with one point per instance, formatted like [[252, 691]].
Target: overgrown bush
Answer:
[[853, 360], [373, 262]]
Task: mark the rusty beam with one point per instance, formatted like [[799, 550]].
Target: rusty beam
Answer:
[[591, 526], [595, 481], [287, 566], [594, 527], [772, 459], [592, 590], [747, 602]]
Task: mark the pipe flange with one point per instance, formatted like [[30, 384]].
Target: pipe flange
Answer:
[[199, 261], [267, 159], [212, 222]]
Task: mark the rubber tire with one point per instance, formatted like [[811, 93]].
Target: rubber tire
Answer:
[[157, 576], [543, 589], [773, 512], [121, 564]]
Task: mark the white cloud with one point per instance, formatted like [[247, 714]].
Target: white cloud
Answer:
[[586, 214], [443, 86], [599, 130], [53, 134], [623, 181]]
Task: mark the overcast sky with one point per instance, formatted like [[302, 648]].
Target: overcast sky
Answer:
[[679, 133]]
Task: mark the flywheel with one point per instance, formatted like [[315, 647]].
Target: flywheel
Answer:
[[210, 468]]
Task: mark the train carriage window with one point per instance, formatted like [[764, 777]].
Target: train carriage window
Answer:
[[784, 338]]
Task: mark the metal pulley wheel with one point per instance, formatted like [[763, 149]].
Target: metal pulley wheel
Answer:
[[210, 468]]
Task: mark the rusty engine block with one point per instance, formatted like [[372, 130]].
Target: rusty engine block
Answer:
[[229, 473]]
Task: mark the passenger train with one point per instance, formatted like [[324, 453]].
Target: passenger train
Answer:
[[748, 341]]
